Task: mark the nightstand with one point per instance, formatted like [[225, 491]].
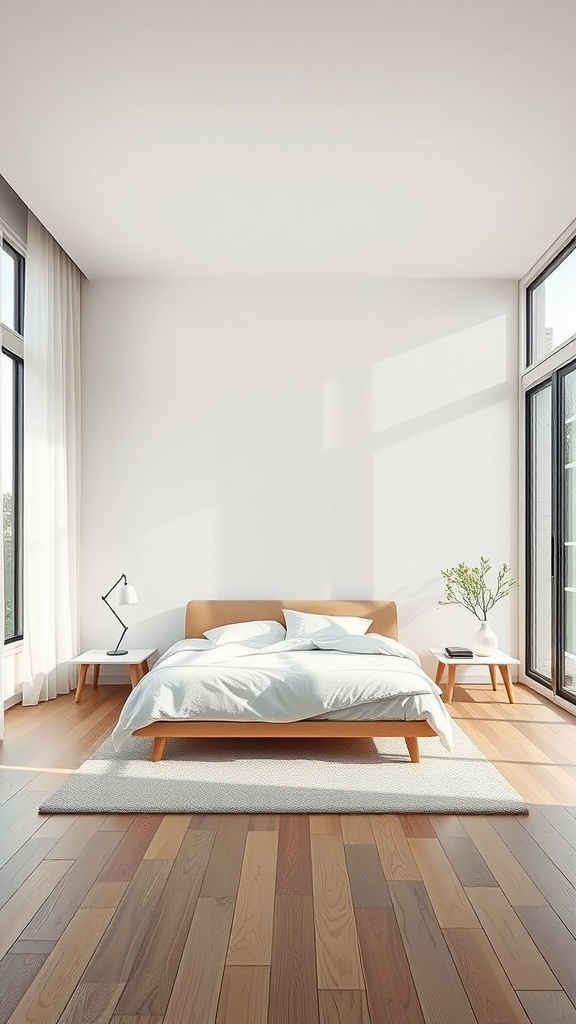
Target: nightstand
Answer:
[[136, 660], [498, 660]]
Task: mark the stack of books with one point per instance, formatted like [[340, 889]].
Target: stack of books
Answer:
[[458, 652]]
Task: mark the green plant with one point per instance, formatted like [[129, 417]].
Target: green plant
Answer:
[[468, 586]]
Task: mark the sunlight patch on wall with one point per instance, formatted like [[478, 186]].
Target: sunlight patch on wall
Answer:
[[444, 371]]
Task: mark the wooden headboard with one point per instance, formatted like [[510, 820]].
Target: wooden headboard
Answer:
[[203, 615]]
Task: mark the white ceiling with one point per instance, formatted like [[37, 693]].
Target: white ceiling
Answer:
[[293, 137]]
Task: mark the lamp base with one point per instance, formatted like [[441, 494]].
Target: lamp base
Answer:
[[112, 653]]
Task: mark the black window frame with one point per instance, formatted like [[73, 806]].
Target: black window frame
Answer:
[[563, 371], [16, 355], [529, 520], [19, 286], [17, 495], [529, 355]]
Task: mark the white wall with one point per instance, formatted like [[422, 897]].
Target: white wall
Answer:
[[300, 440]]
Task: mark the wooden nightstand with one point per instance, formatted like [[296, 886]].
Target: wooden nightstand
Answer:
[[137, 661], [498, 660]]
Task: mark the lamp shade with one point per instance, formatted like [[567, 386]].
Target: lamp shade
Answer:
[[127, 595]]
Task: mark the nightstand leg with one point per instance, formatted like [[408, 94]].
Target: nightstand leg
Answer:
[[505, 673], [81, 680], [134, 675], [449, 692], [96, 676], [439, 672], [493, 676]]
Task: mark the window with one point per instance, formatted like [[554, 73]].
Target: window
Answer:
[[12, 269], [551, 518], [12, 288], [11, 433], [549, 388], [551, 306]]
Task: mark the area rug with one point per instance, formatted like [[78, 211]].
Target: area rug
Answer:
[[343, 776]]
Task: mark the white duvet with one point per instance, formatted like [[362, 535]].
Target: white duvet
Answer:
[[361, 678]]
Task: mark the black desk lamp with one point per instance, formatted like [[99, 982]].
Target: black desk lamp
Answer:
[[127, 595]]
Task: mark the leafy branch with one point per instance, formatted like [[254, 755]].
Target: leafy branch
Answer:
[[468, 586]]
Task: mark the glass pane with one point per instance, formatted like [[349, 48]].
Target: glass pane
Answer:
[[570, 398], [7, 433], [553, 309], [570, 518], [570, 647], [570, 442], [569, 639], [540, 653], [8, 289]]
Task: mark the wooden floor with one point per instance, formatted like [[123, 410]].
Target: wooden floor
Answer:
[[388, 919]]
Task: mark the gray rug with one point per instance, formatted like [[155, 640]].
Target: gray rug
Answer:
[[345, 776]]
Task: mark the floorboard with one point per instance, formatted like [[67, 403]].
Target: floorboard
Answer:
[[293, 979], [439, 987], [341, 1007], [17, 972], [336, 939], [548, 1007], [519, 956], [244, 996], [251, 939], [389, 982], [487, 985], [196, 990], [294, 865]]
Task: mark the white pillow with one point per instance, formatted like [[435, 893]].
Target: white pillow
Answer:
[[261, 631], [303, 625]]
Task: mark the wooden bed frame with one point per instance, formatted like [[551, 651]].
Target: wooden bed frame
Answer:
[[203, 615]]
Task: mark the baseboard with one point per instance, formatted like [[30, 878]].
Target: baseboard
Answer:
[[10, 702], [566, 705], [110, 680]]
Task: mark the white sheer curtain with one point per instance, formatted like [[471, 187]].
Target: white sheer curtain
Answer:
[[51, 469], [1, 593]]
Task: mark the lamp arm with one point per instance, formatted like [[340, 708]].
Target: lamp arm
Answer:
[[124, 626], [107, 594], [117, 648]]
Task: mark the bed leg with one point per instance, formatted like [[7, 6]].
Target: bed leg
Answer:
[[158, 747], [413, 748]]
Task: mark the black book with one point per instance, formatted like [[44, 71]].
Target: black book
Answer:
[[458, 652]]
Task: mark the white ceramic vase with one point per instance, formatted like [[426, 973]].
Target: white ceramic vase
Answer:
[[484, 641]]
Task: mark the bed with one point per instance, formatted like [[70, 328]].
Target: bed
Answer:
[[202, 616]]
